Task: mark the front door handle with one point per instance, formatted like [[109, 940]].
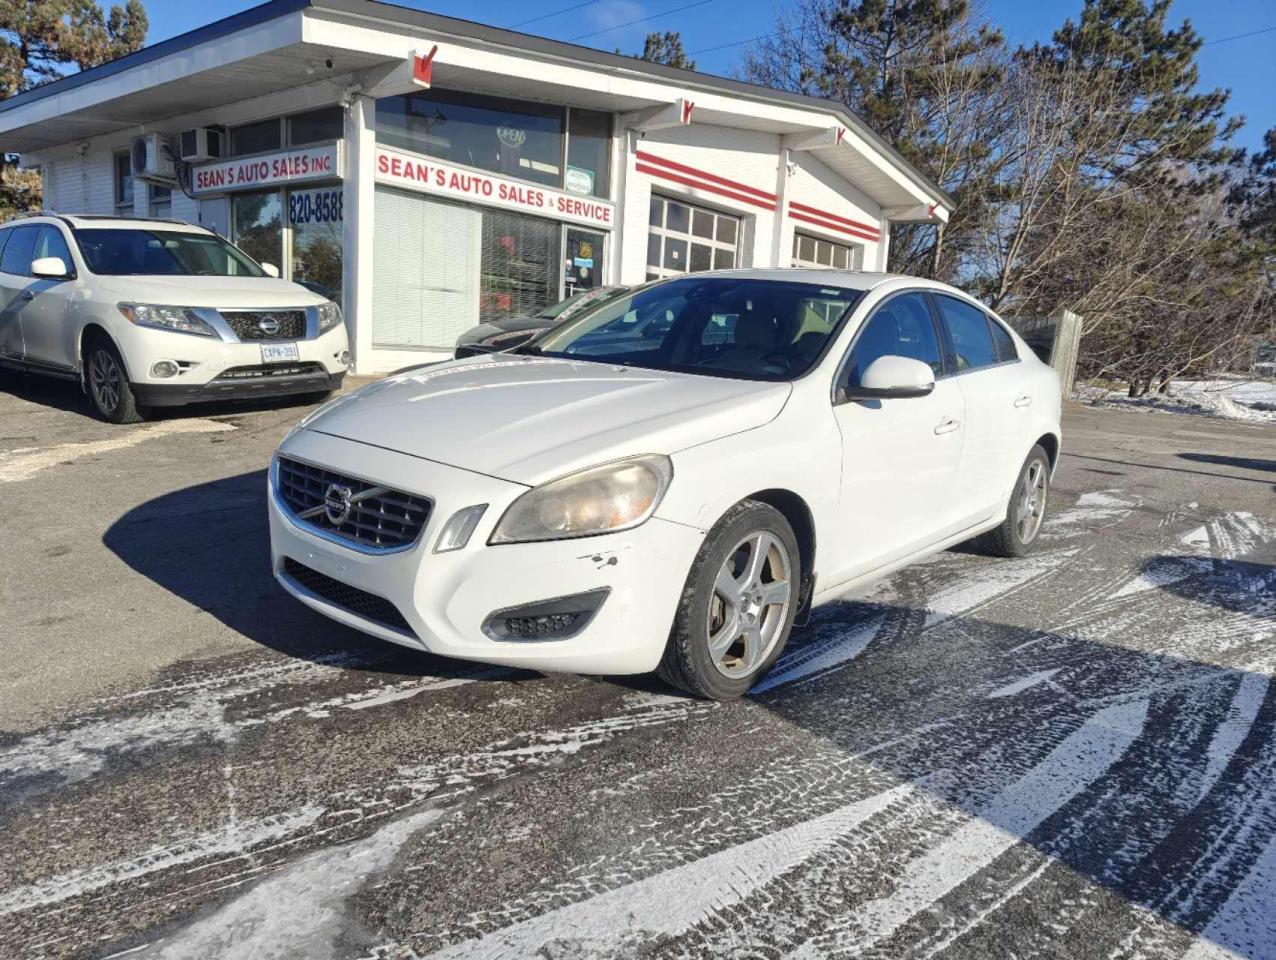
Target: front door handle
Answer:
[[28, 295], [947, 425], [1024, 401]]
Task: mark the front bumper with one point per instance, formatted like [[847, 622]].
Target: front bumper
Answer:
[[444, 599], [279, 382]]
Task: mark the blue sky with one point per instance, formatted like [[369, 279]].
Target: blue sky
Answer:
[[1246, 66]]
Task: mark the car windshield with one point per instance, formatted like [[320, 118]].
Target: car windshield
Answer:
[[577, 302], [721, 326], [122, 251]]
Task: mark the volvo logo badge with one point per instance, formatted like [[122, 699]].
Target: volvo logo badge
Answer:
[[336, 503], [268, 325]]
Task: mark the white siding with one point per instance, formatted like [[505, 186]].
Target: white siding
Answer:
[[815, 185]]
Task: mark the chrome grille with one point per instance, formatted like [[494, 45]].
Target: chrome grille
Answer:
[[377, 517], [266, 324]]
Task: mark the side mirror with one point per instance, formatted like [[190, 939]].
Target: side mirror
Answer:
[[270, 270], [52, 268], [892, 378]]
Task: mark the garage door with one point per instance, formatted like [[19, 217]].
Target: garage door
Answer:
[[425, 288], [687, 239]]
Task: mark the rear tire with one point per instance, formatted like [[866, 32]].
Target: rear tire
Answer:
[[1025, 513], [110, 393], [738, 605]]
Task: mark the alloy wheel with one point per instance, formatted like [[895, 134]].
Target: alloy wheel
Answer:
[[1031, 507], [750, 604], [105, 380]]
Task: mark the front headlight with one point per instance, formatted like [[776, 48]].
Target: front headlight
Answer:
[[614, 496], [176, 319], [329, 316]]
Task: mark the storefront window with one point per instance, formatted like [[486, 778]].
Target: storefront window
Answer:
[[509, 137], [588, 150], [316, 217], [159, 200], [123, 185], [519, 270], [316, 126], [258, 225], [255, 137]]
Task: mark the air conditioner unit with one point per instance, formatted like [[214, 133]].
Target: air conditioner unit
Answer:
[[152, 159], [201, 143]]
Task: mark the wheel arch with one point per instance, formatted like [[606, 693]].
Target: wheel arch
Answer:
[[90, 334], [1050, 443], [797, 512]]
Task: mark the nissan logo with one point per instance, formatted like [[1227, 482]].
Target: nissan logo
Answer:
[[336, 503], [268, 325]]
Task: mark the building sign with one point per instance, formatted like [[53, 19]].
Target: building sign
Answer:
[[426, 175], [299, 165]]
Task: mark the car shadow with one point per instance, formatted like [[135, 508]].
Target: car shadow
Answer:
[[66, 395], [1239, 586], [1245, 463], [210, 545]]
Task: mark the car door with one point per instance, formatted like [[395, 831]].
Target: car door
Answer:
[[15, 269], [900, 457], [993, 387], [47, 323]]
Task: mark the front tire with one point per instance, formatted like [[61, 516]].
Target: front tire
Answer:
[[110, 393], [1025, 513], [738, 604]]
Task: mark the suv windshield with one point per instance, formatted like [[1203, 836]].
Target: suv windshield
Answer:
[[577, 301], [721, 326], [118, 252]]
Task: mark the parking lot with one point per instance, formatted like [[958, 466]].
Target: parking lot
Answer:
[[1072, 754]]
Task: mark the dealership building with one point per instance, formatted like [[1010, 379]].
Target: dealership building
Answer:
[[431, 173]]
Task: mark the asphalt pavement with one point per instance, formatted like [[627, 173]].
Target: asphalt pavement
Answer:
[[1067, 755]]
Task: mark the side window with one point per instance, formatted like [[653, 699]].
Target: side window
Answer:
[[900, 327], [1004, 342], [51, 244], [968, 327], [17, 252]]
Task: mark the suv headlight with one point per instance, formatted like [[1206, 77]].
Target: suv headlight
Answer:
[[614, 496], [329, 316], [176, 319]]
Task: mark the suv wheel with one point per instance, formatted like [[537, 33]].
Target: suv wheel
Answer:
[[737, 606], [109, 390]]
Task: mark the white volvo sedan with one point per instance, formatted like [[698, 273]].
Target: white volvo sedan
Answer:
[[670, 481]]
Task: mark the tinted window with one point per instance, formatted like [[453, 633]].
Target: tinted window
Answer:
[[732, 327], [51, 244], [123, 181], [17, 252], [255, 137], [511, 137], [588, 141], [901, 327], [968, 327], [317, 125], [1004, 343], [121, 252]]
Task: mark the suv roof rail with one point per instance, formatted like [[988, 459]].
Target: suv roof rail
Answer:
[[115, 216]]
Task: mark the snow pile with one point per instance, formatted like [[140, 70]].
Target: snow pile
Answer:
[[1252, 400]]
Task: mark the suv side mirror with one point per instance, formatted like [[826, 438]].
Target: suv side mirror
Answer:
[[892, 378], [50, 268], [270, 270]]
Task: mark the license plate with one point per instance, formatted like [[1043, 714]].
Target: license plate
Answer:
[[279, 352]]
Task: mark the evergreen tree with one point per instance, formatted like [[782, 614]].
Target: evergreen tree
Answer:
[[666, 48]]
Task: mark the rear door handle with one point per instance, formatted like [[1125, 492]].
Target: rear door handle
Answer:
[[947, 425], [28, 295], [1024, 401]]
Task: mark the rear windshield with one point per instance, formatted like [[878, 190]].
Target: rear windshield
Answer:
[[118, 252]]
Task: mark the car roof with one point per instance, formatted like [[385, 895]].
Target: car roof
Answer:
[[94, 221]]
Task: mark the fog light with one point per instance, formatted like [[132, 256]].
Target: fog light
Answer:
[[344, 357], [556, 619], [163, 369]]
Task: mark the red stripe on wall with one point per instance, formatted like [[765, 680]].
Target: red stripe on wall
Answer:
[[704, 175], [858, 234], [708, 187], [793, 205]]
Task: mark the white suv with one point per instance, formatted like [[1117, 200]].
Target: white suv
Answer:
[[149, 313]]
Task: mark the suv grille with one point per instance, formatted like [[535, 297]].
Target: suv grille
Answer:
[[266, 324], [377, 517], [359, 602]]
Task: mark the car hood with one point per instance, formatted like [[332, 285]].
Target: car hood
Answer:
[[506, 325], [530, 419], [196, 291]]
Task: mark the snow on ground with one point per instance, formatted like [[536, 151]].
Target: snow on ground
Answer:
[[1229, 399]]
